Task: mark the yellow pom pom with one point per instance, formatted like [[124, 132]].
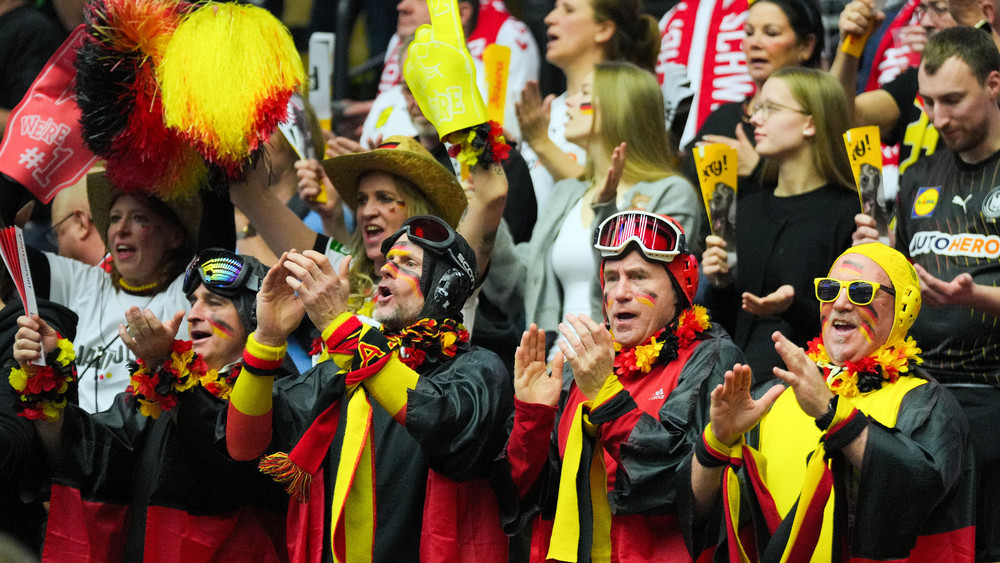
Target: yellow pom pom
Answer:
[[226, 76]]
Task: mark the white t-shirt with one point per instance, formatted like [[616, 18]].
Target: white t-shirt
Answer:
[[88, 292]]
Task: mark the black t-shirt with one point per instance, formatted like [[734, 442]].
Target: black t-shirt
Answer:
[[946, 221]]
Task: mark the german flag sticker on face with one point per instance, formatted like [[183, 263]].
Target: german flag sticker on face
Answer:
[[926, 201]]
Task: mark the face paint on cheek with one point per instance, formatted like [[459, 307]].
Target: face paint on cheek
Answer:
[[867, 322], [406, 276], [647, 299], [220, 329]]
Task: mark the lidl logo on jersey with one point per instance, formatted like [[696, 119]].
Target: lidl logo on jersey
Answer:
[[970, 245], [926, 201]]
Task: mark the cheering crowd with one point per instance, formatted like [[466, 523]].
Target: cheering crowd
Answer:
[[473, 329]]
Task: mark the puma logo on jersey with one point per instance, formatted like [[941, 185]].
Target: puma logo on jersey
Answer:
[[959, 201], [658, 395]]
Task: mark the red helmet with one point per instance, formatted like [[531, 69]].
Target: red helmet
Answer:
[[659, 237]]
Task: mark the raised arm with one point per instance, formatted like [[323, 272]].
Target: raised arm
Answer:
[[876, 107]]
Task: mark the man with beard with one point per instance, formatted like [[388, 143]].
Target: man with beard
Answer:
[[946, 223], [391, 442]]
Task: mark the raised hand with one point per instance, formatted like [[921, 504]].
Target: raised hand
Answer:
[[607, 188], [532, 381], [533, 114], [773, 303], [746, 155], [590, 349], [734, 410], [715, 262], [939, 293], [802, 376], [440, 72], [322, 291], [146, 336], [279, 310]]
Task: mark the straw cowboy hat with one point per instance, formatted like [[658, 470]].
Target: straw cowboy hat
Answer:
[[404, 157]]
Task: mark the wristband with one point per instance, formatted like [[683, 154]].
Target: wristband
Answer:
[[710, 451], [845, 431], [824, 421]]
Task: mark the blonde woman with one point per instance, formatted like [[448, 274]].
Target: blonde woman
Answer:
[[557, 263]]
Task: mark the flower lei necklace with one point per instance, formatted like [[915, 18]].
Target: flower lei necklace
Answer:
[[868, 373], [221, 385], [156, 391], [42, 393], [663, 346], [428, 337]]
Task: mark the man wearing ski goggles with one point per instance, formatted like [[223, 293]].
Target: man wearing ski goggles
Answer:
[[640, 384], [870, 422], [417, 395]]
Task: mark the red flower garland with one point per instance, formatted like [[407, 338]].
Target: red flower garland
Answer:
[[156, 391], [41, 391], [641, 359], [867, 374]]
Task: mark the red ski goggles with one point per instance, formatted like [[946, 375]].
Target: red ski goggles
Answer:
[[658, 237]]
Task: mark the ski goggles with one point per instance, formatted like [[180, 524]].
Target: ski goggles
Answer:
[[859, 292], [657, 237], [431, 234], [222, 272]]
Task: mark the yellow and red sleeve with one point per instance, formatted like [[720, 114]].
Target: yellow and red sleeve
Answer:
[[248, 420]]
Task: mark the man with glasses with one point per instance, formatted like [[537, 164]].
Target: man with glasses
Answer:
[[595, 459], [387, 447], [73, 233], [149, 467], [866, 457]]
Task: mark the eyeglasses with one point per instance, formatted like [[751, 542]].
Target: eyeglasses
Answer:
[[765, 109], [936, 9], [52, 233], [859, 292], [657, 237], [432, 234], [223, 272]]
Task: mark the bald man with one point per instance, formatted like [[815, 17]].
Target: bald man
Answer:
[[75, 234]]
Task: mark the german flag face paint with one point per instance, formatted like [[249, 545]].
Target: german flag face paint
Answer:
[[220, 329], [852, 331], [398, 297], [586, 108], [646, 299]]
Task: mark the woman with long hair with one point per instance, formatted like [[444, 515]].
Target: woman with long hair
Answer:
[[150, 242], [786, 237], [557, 262], [581, 33]]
